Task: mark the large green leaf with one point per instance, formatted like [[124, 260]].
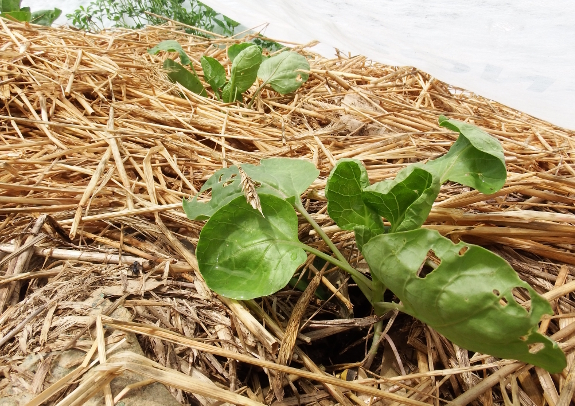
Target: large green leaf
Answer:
[[468, 298], [189, 80], [243, 255], [475, 160], [243, 74], [345, 205], [171, 45], [214, 72], [284, 72], [45, 17], [282, 177], [405, 201], [235, 49]]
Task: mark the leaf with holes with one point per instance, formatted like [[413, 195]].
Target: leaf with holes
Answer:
[[405, 201], [475, 160], [345, 205], [282, 177], [285, 72], [243, 255], [468, 298], [224, 185]]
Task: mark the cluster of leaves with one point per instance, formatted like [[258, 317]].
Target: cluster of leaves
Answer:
[[284, 72], [11, 10], [468, 295], [132, 14]]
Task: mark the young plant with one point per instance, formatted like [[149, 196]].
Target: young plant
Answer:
[[284, 72], [249, 246]]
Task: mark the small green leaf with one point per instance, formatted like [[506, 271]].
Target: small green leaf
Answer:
[[214, 72], [468, 298], [244, 72], [475, 160], [344, 202], [22, 15], [282, 177], [405, 201], [45, 17], [235, 49], [189, 80], [243, 255], [9, 6], [283, 72], [171, 45]]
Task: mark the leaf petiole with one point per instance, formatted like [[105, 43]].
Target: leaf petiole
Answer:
[[363, 282]]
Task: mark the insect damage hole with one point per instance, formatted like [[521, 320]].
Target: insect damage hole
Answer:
[[463, 250], [534, 348], [502, 301], [229, 181], [429, 264], [520, 295]]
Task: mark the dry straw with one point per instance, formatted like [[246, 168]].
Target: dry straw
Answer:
[[97, 150]]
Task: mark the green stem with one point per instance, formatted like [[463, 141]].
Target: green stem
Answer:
[[299, 207], [256, 94], [377, 330], [362, 281]]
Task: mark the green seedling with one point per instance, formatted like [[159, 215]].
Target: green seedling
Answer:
[[249, 246], [284, 72]]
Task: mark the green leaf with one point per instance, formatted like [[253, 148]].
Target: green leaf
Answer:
[[189, 80], [475, 160], [235, 49], [22, 15], [287, 178], [468, 298], [214, 72], [282, 177], [405, 201], [283, 72], [9, 6], [244, 72], [243, 255], [171, 45], [45, 17], [224, 185], [344, 202], [227, 95]]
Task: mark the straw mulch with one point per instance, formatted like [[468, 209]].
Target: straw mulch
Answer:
[[97, 151]]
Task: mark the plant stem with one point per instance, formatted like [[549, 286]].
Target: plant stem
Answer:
[[299, 207], [362, 281], [256, 94], [377, 330]]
